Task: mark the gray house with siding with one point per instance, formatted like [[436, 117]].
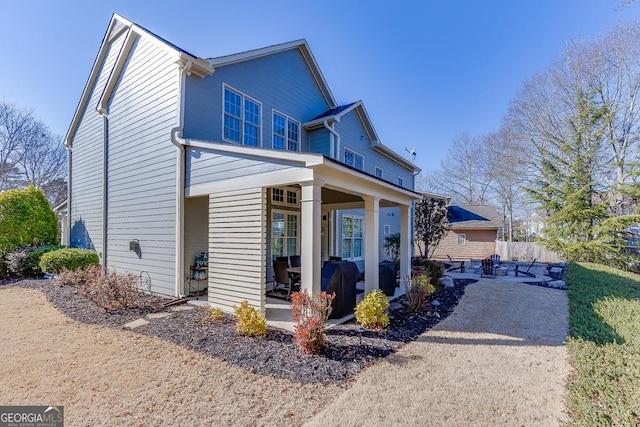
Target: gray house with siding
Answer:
[[245, 156]]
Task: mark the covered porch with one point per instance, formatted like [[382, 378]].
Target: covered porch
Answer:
[[238, 182]]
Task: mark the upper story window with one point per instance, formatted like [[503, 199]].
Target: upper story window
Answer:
[[353, 159], [378, 172], [286, 133], [241, 118], [400, 181], [285, 196]]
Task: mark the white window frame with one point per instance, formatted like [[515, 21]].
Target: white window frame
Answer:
[[401, 181], [287, 120], [243, 97], [343, 237], [344, 158], [387, 230], [286, 196], [285, 232], [378, 168], [464, 239]]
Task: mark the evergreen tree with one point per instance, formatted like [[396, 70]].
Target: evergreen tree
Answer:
[[568, 175], [431, 223]]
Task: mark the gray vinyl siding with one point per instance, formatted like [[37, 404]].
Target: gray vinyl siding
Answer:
[[204, 166], [353, 137], [280, 81], [87, 163], [237, 248], [142, 166], [320, 141]]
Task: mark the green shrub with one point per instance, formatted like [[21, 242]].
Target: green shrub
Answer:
[[418, 289], [25, 262], [370, 312], [433, 269], [26, 219], [249, 320], [216, 314], [68, 258]]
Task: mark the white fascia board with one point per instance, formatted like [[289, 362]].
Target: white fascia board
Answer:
[[270, 50], [348, 180], [332, 118], [306, 159], [267, 179], [95, 70], [386, 151]]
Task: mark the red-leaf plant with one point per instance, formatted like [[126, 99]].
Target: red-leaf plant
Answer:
[[311, 315]]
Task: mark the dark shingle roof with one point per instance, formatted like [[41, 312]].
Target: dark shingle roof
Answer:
[[333, 111], [474, 216]]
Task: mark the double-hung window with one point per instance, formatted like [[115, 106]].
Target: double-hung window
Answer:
[[353, 159], [241, 118], [286, 133], [352, 227], [378, 172], [284, 233]]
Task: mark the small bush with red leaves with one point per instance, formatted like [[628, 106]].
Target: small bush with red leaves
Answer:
[[311, 315]]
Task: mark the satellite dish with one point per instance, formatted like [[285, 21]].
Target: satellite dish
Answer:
[[412, 152]]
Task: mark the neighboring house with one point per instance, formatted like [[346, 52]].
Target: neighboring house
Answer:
[[246, 157], [473, 234]]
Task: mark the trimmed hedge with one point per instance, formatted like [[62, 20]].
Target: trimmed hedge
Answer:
[[26, 219], [68, 259], [26, 261]]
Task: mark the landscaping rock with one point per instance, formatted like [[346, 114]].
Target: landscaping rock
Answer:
[[447, 282], [395, 306], [557, 284], [135, 324]]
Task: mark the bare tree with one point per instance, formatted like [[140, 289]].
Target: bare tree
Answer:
[[466, 171], [30, 154]]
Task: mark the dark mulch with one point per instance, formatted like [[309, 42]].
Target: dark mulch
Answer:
[[347, 351]]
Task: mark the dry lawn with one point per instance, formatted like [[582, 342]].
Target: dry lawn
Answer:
[[106, 377], [499, 359]]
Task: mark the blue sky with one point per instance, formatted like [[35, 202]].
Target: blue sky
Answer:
[[425, 70]]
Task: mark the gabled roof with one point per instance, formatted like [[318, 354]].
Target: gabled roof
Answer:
[[335, 114], [301, 45], [474, 216], [332, 113], [117, 26]]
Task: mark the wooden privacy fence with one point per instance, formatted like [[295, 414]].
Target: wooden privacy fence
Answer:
[[525, 251]]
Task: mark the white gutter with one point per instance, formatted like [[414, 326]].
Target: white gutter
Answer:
[[335, 147]]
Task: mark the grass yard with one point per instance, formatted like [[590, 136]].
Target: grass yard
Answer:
[[604, 344]]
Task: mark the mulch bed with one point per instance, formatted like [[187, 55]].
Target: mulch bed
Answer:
[[347, 352]]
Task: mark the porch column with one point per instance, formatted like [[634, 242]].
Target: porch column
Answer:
[[371, 245], [311, 244], [405, 245]]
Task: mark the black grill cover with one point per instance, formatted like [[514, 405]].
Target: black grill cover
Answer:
[[340, 277], [387, 277]]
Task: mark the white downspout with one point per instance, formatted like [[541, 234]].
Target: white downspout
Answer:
[[335, 147], [179, 142]]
